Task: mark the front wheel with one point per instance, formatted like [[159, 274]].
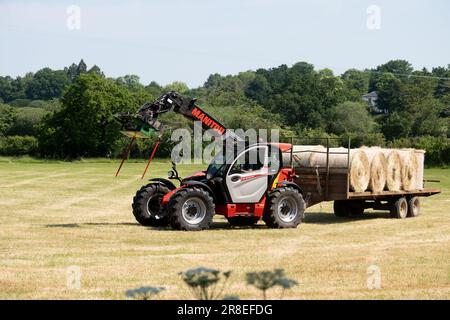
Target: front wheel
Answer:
[[285, 208], [147, 205], [191, 209]]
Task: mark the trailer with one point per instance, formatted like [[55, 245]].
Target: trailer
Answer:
[[322, 183]]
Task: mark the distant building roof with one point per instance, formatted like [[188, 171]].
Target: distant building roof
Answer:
[[372, 94]]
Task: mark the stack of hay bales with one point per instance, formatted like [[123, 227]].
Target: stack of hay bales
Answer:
[[371, 169]]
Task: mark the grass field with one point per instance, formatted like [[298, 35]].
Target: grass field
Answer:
[[54, 215]]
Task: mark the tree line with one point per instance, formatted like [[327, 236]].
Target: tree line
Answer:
[[69, 113]]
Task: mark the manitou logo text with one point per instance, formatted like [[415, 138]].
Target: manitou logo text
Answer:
[[207, 121]]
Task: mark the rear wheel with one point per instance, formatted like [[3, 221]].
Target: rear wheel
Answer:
[[147, 205], [285, 208], [399, 208], [243, 221], [413, 207], [191, 209]]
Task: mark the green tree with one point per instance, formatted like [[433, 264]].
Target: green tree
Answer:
[[443, 75], [82, 67], [413, 110], [388, 89], [401, 69], [350, 117], [130, 81], [356, 83], [177, 86], [85, 125], [154, 89], [47, 84], [7, 118], [12, 89], [96, 69], [6, 89], [74, 70]]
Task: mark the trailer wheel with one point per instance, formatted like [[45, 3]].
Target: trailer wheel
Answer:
[[356, 207], [345, 208], [399, 208], [243, 221], [340, 208], [191, 209], [413, 207], [146, 205], [285, 208]]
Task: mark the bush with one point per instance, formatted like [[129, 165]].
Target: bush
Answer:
[[363, 139], [437, 148], [50, 105], [18, 145], [25, 121], [20, 103]]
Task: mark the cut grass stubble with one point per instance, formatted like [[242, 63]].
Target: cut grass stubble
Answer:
[[54, 215]]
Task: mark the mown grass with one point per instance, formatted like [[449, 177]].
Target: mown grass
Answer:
[[57, 214]]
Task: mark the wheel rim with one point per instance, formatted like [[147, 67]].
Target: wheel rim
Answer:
[[193, 210], [403, 209], [287, 209], [154, 207]]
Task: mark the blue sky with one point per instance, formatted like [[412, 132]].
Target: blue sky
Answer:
[[168, 40]]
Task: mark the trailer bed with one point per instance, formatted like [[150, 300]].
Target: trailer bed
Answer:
[[321, 184], [368, 195], [325, 183]]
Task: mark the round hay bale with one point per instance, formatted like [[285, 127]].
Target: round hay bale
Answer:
[[420, 155], [301, 154], [393, 170], [378, 168], [359, 171], [359, 165], [410, 167]]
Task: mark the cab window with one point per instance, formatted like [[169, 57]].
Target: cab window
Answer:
[[274, 162], [249, 161]]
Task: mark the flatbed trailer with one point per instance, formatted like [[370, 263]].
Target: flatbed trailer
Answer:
[[321, 184]]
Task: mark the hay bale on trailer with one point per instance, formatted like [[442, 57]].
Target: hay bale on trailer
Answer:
[[420, 155], [410, 168], [338, 157], [301, 154], [378, 168], [393, 169]]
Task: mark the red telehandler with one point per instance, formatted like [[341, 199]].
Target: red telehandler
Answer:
[[242, 185]]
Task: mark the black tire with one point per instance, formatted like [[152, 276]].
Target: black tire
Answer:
[[279, 200], [191, 209], [340, 208], [346, 208], [399, 209], [243, 221], [147, 205], [413, 207]]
